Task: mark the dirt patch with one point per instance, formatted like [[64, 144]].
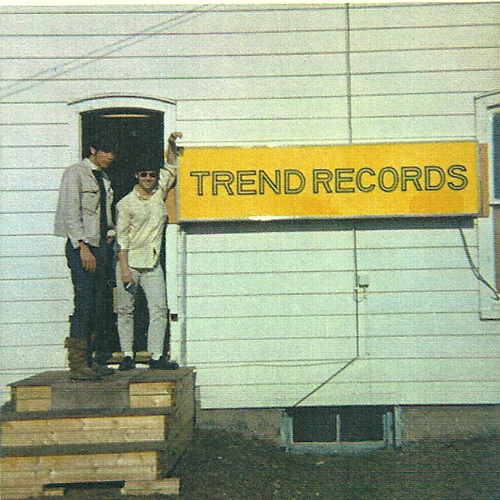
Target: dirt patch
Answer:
[[222, 465]]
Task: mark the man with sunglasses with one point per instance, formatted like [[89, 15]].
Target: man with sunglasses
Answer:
[[141, 220]]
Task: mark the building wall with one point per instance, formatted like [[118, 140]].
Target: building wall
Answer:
[[268, 311]]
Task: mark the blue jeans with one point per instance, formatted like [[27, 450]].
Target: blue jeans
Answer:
[[92, 317]]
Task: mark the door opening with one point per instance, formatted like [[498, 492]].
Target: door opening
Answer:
[[139, 136]]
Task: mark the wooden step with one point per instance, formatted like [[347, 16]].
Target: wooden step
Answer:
[[23, 477], [140, 388]]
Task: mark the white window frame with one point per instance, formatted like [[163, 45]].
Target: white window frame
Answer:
[[486, 107], [391, 421]]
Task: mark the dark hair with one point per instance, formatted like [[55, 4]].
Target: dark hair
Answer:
[[144, 167], [103, 143]]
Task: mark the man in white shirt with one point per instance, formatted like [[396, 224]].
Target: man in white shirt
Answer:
[[141, 220]]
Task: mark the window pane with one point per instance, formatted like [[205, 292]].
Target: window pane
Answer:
[[314, 424]]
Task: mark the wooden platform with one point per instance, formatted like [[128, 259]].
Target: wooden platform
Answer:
[[130, 428]]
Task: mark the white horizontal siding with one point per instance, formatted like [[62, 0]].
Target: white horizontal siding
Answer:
[[425, 82], [36, 290], [259, 87], [400, 39], [413, 128], [31, 246], [170, 44], [423, 15], [201, 19], [174, 67], [23, 202], [263, 109], [34, 224], [437, 60], [395, 106], [45, 157], [270, 311]]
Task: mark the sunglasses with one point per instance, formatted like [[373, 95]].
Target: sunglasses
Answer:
[[153, 175]]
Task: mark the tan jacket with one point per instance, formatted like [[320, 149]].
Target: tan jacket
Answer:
[[78, 208]]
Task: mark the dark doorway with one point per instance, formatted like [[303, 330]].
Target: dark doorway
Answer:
[[139, 137]]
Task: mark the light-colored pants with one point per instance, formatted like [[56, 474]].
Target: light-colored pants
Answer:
[[152, 282]]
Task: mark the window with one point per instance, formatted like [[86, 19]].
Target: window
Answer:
[[488, 136], [338, 427]]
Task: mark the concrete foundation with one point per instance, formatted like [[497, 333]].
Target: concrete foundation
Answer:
[[412, 423], [449, 422]]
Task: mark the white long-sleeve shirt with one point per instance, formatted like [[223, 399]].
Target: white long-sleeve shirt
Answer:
[[141, 221]]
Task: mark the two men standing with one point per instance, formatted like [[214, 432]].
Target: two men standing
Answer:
[[84, 217]]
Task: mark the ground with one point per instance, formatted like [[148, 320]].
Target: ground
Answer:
[[226, 466]]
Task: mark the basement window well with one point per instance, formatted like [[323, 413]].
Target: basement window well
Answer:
[[334, 429]]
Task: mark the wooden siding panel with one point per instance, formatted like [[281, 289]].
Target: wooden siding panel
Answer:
[[423, 302], [413, 127], [439, 237], [229, 88], [49, 334], [41, 157], [263, 109], [433, 347], [35, 224], [340, 324], [32, 312], [18, 202], [37, 267], [266, 131], [23, 113], [34, 134], [412, 258], [30, 179], [428, 60], [269, 237], [422, 280], [298, 282], [40, 289], [271, 350], [270, 306], [280, 261], [414, 324], [441, 104], [31, 246], [176, 18], [425, 38], [409, 16], [360, 374], [425, 82], [40, 359], [175, 67], [169, 44]]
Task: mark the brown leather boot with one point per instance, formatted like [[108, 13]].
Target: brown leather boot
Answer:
[[101, 370], [77, 360]]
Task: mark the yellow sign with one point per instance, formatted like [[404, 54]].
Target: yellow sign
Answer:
[[376, 180]]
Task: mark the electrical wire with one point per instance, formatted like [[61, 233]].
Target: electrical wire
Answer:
[[82, 61], [475, 269], [356, 300]]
